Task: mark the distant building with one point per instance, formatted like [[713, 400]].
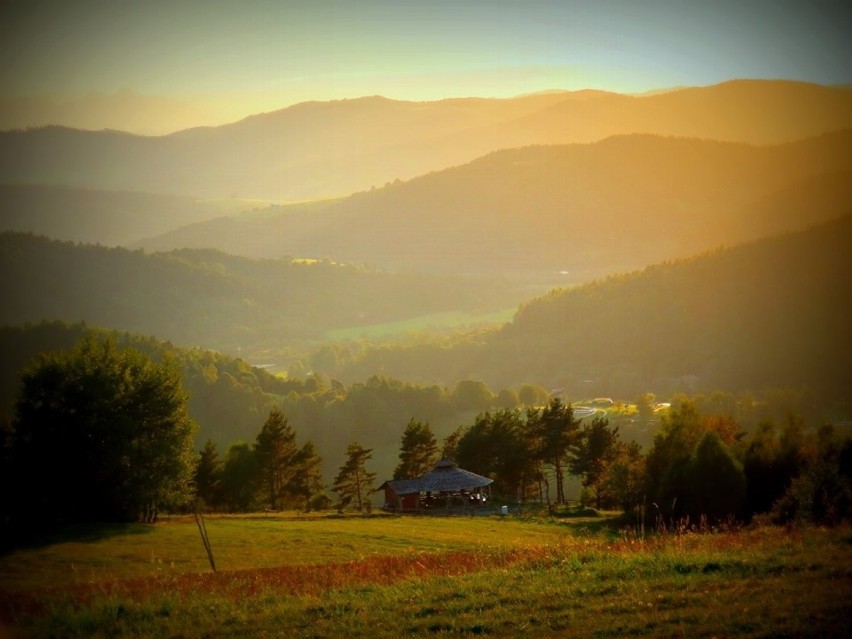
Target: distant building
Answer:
[[447, 487]]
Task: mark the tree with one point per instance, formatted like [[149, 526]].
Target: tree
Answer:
[[306, 482], [625, 476], [472, 395], [275, 449], [822, 491], [102, 433], [532, 395], [418, 451], [240, 478], [450, 445], [716, 483], [354, 482], [208, 476], [507, 398], [495, 446], [556, 431], [645, 406], [594, 450], [765, 474], [674, 443]]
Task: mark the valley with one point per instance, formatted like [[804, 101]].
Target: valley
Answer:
[[397, 319], [551, 241]]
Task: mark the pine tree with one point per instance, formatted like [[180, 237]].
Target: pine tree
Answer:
[[418, 451], [450, 446], [208, 476], [275, 450], [306, 483], [353, 482], [556, 431], [594, 450]]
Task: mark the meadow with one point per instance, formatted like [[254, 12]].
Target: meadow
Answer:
[[379, 576]]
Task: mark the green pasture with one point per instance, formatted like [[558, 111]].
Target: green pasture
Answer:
[[92, 554], [422, 577], [434, 322]]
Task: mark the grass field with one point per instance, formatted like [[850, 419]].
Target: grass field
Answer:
[[392, 576], [450, 320]]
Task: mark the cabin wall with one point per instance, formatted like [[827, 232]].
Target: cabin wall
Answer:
[[400, 502], [391, 498]]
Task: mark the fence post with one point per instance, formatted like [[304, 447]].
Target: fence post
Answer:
[[202, 528]]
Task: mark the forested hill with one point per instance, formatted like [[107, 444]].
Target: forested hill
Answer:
[[207, 298], [615, 205], [102, 217], [774, 313], [230, 400], [322, 149]]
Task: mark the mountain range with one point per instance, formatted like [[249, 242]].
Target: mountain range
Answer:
[[323, 149], [580, 209], [114, 218], [416, 209]]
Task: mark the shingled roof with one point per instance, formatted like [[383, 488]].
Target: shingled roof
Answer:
[[445, 477]]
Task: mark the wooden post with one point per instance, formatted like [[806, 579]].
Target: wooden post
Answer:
[[202, 528]]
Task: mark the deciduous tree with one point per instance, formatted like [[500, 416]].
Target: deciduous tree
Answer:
[[625, 477], [240, 478], [102, 433]]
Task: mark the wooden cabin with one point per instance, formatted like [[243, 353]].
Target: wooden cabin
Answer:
[[446, 487]]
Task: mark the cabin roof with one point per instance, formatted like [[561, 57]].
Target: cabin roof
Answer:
[[445, 477]]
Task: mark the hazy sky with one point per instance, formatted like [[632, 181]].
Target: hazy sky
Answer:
[[256, 55]]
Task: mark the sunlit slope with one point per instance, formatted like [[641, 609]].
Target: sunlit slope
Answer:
[[322, 149], [210, 299], [309, 150], [617, 204], [774, 313], [753, 111]]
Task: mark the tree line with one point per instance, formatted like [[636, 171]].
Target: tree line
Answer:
[[103, 433], [274, 473], [229, 398], [699, 465]]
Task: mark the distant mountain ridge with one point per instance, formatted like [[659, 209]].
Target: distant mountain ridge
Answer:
[[335, 148], [124, 110], [599, 208], [101, 217]]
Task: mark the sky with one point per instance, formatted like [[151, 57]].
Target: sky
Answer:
[[231, 59]]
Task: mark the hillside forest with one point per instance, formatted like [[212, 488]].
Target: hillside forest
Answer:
[[621, 299]]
